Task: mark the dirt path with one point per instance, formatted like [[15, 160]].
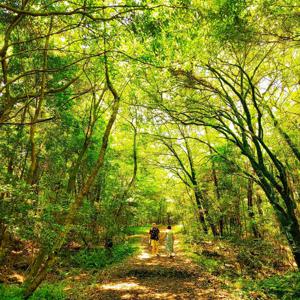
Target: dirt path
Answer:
[[148, 277]]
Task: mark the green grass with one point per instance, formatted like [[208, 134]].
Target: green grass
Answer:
[[49, 291], [44, 292], [210, 264], [285, 287], [10, 292], [99, 258]]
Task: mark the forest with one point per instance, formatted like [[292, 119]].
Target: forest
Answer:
[[117, 114]]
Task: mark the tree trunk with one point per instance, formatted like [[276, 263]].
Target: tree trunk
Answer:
[[135, 168], [201, 213], [75, 169], [259, 204], [216, 183], [284, 134], [3, 228], [37, 263], [291, 230], [203, 210], [286, 218], [218, 194], [37, 280], [250, 209], [221, 226], [6, 244]]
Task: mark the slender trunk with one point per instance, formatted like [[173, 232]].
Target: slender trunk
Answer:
[[216, 191], [3, 228], [75, 169], [214, 229], [250, 209], [33, 156], [295, 242], [203, 209], [284, 134], [201, 213], [23, 165], [10, 167], [218, 195], [135, 168], [221, 226], [216, 186], [236, 221], [32, 175], [259, 204], [6, 244]]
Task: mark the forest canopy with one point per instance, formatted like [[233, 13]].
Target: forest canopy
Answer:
[[116, 114]]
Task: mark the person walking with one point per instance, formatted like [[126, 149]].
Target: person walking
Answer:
[[170, 237], [154, 239]]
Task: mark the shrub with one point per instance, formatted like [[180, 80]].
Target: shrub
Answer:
[[99, 258], [45, 292], [286, 287], [10, 292], [49, 292]]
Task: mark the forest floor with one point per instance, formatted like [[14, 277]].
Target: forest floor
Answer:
[[208, 269], [148, 277], [145, 276]]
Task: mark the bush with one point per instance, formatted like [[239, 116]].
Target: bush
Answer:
[[49, 292], [45, 292], [99, 258], [286, 287], [249, 261], [10, 292], [209, 264]]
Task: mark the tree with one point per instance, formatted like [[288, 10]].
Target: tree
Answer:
[[233, 106]]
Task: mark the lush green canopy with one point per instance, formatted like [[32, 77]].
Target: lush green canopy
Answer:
[[121, 113]]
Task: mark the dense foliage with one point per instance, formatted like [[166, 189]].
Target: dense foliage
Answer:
[[121, 113]]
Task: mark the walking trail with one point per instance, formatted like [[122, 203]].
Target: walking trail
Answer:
[[147, 277]]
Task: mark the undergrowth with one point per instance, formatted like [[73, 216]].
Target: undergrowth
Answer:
[[100, 257], [83, 259], [285, 287], [256, 268], [44, 292]]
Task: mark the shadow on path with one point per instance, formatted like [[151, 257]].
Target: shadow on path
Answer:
[[148, 277]]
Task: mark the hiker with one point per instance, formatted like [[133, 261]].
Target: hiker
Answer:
[[154, 238], [170, 237]]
